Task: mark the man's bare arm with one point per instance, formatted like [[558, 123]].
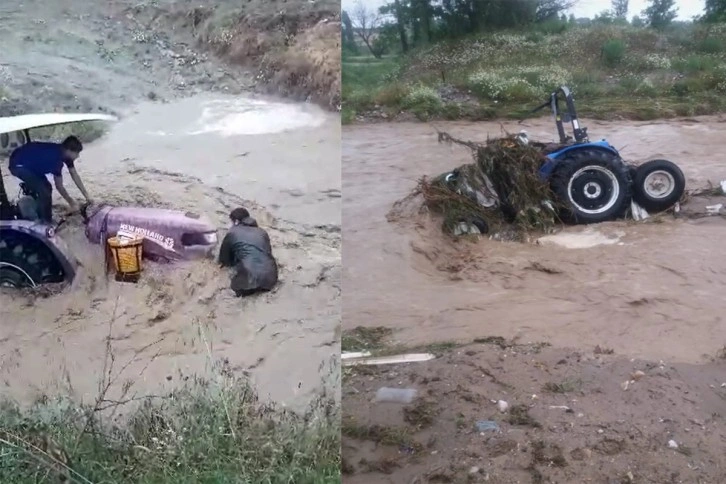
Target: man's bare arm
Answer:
[[79, 183], [62, 190]]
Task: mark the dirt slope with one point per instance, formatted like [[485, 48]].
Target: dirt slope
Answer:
[[72, 55]]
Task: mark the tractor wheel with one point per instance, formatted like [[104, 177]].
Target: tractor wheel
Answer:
[[658, 185], [592, 186], [26, 262]]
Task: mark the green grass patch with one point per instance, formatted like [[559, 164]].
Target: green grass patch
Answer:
[[202, 433]]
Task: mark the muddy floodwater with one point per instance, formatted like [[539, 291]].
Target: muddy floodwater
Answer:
[[208, 155], [651, 290]]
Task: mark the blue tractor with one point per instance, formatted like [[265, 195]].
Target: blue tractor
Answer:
[[591, 180]]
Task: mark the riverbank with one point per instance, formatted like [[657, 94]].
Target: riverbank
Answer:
[[616, 72]]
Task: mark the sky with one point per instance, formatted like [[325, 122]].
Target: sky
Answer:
[[687, 9]]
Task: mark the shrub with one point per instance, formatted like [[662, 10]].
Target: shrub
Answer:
[[613, 52], [710, 45], [696, 63], [422, 100], [656, 61]]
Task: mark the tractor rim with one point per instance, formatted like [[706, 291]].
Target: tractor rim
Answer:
[[593, 189]]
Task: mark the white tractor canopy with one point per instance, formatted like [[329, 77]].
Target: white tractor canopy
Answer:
[[13, 129]]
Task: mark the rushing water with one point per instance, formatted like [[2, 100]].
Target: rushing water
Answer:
[[653, 290], [206, 154]]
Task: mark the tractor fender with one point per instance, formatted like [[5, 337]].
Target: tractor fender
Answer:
[[46, 236], [554, 159]]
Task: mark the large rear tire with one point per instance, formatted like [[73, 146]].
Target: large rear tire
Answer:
[[658, 185], [27, 262], [592, 186]]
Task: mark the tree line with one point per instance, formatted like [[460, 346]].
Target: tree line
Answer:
[[406, 24]]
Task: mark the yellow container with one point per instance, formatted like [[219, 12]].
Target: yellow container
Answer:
[[126, 255]]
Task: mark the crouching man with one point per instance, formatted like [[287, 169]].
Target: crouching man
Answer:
[[247, 249]]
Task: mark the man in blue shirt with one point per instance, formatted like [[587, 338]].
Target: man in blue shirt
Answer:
[[34, 161]]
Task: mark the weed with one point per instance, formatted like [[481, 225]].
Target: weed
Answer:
[[566, 386], [362, 338]]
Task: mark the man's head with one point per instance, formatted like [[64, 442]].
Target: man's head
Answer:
[[238, 215], [72, 147]]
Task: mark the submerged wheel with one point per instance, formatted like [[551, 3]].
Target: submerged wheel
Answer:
[[592, 186], [26, 262], [658, 185]]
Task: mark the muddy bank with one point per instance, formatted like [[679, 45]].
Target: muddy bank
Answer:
[[293, 48], [72, 56], [181, 319], [650, 290], [570, 416]]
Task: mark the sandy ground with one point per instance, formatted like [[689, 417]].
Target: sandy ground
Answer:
[[568, 419], [197, 150], [650, 292]]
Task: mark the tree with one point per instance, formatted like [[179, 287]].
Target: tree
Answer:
[[604, 17], [620, 8], [551, 9], [347, 34], [715, 11], [401, 25], [366, 24], [660, 13], [637, 21]]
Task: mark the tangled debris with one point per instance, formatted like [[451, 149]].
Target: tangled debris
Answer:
[[500, 192]]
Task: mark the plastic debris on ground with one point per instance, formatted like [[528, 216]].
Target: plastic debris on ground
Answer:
[[639, 213], [487, 426], [396, 395], [714, 209], [366, 359]]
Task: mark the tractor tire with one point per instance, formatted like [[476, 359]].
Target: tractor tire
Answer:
[[658, 185], [26, 262], [592, 186]]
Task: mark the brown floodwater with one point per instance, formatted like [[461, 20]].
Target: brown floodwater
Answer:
[[206, 154], [653, 290]]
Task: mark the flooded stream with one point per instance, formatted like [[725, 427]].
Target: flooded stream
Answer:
[[205, 154], [652, 290]]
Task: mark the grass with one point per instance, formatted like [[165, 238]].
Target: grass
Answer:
[[364, 81], [614, 71], [189, 436]]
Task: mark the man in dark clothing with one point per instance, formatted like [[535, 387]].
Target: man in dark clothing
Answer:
[[246, 247], [33, 161]]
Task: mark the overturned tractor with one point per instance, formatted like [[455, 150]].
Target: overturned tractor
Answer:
[[536, 185]]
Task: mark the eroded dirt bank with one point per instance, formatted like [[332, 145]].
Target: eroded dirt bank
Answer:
[[70, 55], [651, 290]]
